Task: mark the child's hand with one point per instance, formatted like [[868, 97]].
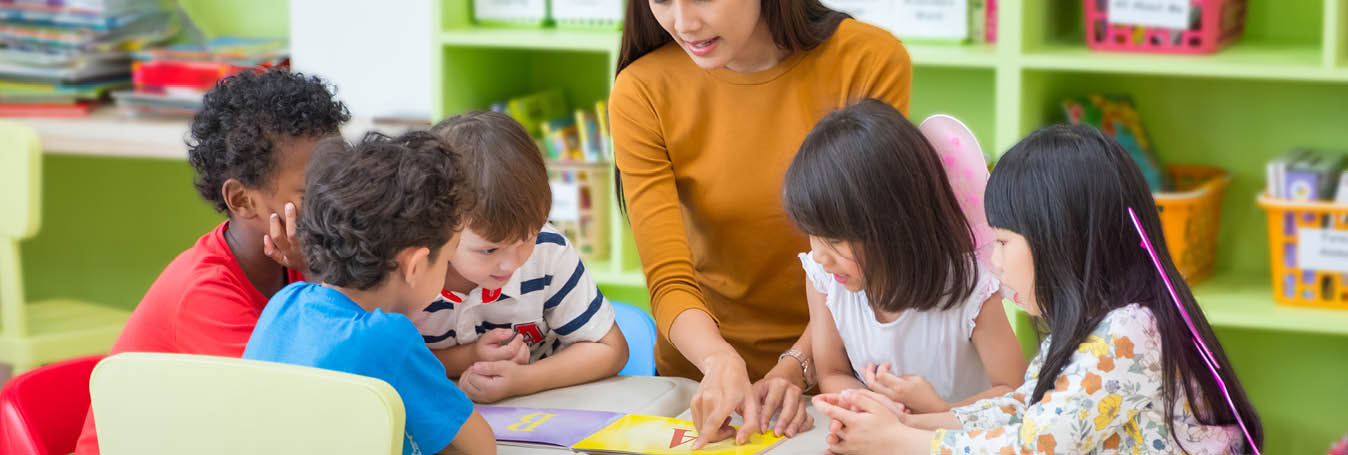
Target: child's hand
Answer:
[[280, 243], [489, 382], [899, 410], [860, 424], [914, 392], [501, 344]]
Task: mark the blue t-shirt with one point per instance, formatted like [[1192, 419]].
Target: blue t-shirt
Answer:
[[312, 325]]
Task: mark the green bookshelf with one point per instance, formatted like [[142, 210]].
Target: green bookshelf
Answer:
[[1284, 84]]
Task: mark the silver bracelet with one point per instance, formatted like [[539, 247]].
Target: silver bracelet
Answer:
[[804, 366]]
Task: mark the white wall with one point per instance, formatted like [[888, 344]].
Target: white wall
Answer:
[[377, 53]]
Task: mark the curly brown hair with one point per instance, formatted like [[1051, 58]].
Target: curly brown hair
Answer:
[[365, 203], [512, 179]]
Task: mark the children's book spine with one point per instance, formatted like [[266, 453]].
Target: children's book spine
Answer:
[[606, 139], [1276, 170], [1342, 196]]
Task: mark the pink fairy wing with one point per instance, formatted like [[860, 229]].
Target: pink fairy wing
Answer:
[[967, 171]]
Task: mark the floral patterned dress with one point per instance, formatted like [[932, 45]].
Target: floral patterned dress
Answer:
[[1107, 400]]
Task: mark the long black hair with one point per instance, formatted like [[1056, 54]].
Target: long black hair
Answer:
[[866, 175], [1067, 190]]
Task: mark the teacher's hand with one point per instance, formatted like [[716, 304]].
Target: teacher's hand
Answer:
[[724, 389], [782, 393]]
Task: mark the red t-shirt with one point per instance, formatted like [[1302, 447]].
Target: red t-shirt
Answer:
[[201, 304]]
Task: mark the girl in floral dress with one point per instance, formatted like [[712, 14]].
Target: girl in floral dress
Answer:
[[1120, 372]]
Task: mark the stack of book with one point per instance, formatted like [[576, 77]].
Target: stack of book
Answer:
[[171, 81], [59, 56]]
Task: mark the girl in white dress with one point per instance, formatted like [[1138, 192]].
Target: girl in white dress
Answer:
[[899, 303]]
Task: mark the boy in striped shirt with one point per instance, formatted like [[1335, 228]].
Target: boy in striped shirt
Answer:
[[518, 313]]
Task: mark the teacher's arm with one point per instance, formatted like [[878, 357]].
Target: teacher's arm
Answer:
[[677, 303]]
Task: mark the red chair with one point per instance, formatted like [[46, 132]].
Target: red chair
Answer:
[[42, 411]]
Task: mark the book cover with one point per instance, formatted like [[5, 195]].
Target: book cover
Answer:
[[550, 427], [588, 128], [237, 51], [532, 111], [1276, 171], [1342, 196], [44, 110], [1313, 177], [605, 139], [637, 434], [1116, 117]]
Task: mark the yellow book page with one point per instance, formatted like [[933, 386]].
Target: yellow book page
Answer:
[[665, 436]]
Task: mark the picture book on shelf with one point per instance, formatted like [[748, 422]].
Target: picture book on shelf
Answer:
[[1117, 117], [1306, 175], [602, 432], [1276, 171]]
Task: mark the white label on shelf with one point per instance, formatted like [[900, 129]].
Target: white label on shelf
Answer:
[[565, 201], [1150, 13], [509, 9], [931, 19], [1322, 249], [874, 12], [587, 9]]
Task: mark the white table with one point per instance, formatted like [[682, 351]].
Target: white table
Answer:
[[659, 396]]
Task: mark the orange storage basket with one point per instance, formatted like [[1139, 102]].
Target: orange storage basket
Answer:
[[1190, 217], [1291, 284]]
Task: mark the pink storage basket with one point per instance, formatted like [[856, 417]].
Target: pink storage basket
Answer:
[[1216, 24]]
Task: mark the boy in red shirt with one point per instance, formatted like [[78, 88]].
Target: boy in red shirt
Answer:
[[250, 144]]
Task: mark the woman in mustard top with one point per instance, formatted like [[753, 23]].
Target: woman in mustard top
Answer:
[[711, 101]]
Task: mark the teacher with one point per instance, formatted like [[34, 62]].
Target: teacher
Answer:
[[711, 101]]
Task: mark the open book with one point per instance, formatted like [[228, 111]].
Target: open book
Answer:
[[601, 432]]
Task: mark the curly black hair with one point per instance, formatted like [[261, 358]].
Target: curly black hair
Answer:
[[235, 134], [364, 204]]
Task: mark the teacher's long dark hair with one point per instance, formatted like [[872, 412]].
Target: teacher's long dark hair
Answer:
[[1067, 190], [796, 25]]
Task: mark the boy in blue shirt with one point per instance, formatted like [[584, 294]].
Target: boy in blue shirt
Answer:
[[378, 225]]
